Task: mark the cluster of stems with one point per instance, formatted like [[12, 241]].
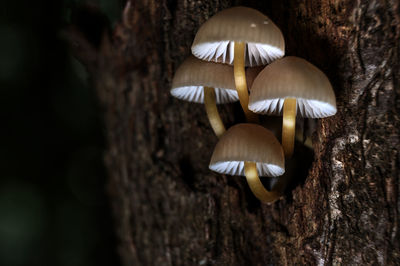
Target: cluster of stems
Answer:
[[289, 118]]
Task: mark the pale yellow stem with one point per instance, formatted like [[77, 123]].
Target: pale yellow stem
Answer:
[[250, 168], [240, 81], [256, 186], [212, 111], [288, 126]]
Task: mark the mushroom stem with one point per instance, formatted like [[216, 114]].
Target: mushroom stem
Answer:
[[288, 126], [250, 168], [256, 186], [212, 111], [240, 81]]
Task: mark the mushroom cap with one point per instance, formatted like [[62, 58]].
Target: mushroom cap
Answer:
[[215, 39], [292, 77], [194, 74], [248, 143]]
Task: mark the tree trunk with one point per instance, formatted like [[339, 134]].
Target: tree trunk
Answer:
[[170, 209]]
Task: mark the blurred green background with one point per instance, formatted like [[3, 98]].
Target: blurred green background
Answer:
[[53, 205]]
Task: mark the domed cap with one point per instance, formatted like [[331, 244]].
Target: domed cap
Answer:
[[194, 74], [251, 143], [215, 39], [293, 77]]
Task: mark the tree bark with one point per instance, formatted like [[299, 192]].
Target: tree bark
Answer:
[[170, 209]]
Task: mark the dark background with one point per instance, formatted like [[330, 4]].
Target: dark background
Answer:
[[53, 204]]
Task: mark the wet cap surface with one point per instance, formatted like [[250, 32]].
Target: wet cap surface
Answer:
[[248, 142], [215, 39], [292, 77], [194, 74]]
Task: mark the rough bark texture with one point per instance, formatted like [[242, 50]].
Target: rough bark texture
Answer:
[[171, 210]]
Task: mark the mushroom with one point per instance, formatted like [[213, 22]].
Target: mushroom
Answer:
[[209, 83], [226, 36], [292, 85], [250, 150]]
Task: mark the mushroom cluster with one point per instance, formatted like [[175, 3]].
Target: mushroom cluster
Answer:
[[287, 86]]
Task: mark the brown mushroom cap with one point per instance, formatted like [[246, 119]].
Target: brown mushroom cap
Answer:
[[215, 39], [251, 143], [194, 74], [292, 77]]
